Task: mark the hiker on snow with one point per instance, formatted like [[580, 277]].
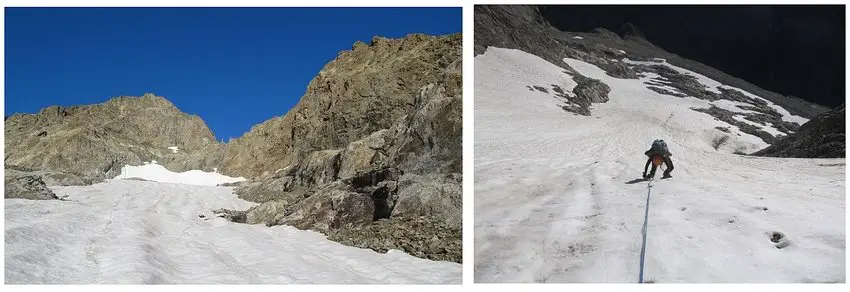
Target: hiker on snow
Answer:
[[658, 154]]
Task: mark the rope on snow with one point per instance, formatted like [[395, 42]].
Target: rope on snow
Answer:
[[643, 231]]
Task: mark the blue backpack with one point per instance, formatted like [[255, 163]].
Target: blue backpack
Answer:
[[659, 146]]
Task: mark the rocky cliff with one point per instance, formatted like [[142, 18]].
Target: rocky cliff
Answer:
[[363, 90], [95, 141], [373, 150], [822, 137]]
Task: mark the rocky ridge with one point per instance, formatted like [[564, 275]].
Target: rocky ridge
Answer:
[[93, 142], [821, 137], [363, 90]]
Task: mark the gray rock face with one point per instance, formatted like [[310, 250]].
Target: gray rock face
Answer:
[[728, 117], [587, 91], [432, 197], [519, 27], [95, 141], [320, 167], [55, 178], [421, 237], [821, 137], [25, 185], [264, 189], [360, 155], [332, 208], [429, 139], [368, 150], [267, 213], [362, 91]]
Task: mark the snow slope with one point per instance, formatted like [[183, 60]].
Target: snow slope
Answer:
[[159, 173], [142, 232], [557, 197]]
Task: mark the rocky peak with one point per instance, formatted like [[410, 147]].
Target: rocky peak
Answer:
[[97, 140], [363, 90], [604, 33], [629, 30]]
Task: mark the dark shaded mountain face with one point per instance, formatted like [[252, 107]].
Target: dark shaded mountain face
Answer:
[[821, 137], [516, 27], [792, 50]]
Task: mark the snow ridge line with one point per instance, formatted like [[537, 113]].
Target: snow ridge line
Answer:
[[643, 231]]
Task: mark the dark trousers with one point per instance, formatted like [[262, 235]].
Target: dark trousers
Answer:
[[667, 162]]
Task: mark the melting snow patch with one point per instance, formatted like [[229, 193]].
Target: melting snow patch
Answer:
[[621, 52], [578, 37], [173, 149], [155, 172]]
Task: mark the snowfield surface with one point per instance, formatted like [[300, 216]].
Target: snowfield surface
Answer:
[[557, 195], [142, 232], [155, 172]]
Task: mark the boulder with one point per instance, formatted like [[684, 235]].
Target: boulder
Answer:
[[25, 185]]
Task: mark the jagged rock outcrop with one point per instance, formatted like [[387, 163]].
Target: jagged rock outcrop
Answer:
[[55, 178], [438, 196], [409, 171], [587, 91], [24, 185], [369, 148], [821, 137], [95, 141], [421, 236], [362, 91], [329, 209], [629, 30], [519, 27]]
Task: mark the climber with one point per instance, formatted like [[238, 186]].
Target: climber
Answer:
[[658, 154]]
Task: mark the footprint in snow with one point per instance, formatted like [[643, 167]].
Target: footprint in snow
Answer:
[[779, 239], [759, 208]]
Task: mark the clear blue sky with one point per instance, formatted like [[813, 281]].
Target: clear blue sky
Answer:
[[233, 67]]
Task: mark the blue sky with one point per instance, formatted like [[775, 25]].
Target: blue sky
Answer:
[[233, 67]]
